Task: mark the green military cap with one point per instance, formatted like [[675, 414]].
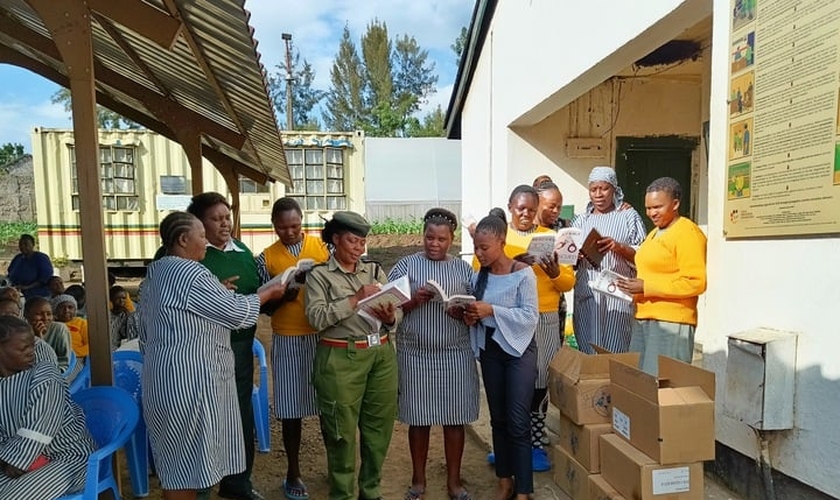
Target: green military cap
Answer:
[[353, 222]]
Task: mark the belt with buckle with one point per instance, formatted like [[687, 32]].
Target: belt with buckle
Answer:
[[359, 344]]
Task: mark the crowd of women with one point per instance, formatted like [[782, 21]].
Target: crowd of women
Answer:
[[202, 296]]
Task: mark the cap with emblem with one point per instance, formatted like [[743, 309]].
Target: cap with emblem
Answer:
[[345, 221]]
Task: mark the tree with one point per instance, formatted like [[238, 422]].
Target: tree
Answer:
[[390, 82], [433, 125], [304, 96], [10, 152], [105, 117], [460, 43], [345, 104]]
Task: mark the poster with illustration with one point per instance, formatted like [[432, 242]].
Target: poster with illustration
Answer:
[[741, 93], [740, 139], [743, 53], [743, 13], [738, 181]]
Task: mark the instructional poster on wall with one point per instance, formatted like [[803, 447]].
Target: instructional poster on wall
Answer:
[[783, 152]]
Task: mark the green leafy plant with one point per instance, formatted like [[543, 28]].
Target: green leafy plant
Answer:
[[396, 226], [10, 231]]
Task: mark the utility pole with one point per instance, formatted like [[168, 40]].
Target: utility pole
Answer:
[[290, 122]]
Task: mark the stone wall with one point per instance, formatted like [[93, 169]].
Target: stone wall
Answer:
[[17, 191]]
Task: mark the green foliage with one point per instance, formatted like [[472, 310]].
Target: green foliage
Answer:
[[394, 226], [10, 231], [433, 125], [10, 152], [107, 119], [304, 96], [460, 43], [381, 90]]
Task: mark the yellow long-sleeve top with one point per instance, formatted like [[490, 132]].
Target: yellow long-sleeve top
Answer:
[[290, 318], [79, 336], [672, 264], [548, 290]]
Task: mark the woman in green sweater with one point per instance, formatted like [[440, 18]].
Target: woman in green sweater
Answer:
[[233, 263]]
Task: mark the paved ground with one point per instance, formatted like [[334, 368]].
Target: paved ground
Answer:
[[544, 487]]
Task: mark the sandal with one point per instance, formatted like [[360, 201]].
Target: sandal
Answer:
[[296, 491], [462, 495], [414, 494]]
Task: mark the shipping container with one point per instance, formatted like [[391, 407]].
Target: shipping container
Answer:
[[144, 176]]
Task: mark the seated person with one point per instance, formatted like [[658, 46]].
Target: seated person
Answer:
[[78, 293], [129, 305], [10, 292], [56, 286], [45, 445], [43, 352], [38, 313], [123, 324], [64, 310]]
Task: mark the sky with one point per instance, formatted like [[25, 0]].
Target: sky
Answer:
[[315, 29]]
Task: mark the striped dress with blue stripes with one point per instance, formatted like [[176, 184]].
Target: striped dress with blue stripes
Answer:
[[438, 377], [601, 319], [38, 418], [189, 391]]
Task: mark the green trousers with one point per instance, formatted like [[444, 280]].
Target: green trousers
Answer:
[[356, 388]]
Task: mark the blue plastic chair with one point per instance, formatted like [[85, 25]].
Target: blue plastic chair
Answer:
[[82, 380], [259, 400], [111, 416], [128, 370]]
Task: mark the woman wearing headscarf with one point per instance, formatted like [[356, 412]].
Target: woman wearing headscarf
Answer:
[[189, 385], [355, 372], [601, 319]]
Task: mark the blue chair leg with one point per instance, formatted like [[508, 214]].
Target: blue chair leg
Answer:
[[137, 455], [260, 423]]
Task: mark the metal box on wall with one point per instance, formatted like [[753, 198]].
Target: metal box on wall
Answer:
[[760, 376]]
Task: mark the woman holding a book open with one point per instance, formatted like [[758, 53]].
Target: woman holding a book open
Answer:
[[355, 372], [611, 236], [438, 376]]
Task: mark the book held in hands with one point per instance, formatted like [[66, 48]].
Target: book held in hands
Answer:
[[607, 283], [589, 249], [396, 293], [449, 301], [567, 245], [287, 277], [541, 244]]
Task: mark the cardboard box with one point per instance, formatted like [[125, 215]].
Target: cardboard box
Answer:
[[600, 489], [569, 475], [579, 384], [670, 418], [581, 442], [637, 476]]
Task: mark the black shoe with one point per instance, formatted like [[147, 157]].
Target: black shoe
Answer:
[[250, 495]]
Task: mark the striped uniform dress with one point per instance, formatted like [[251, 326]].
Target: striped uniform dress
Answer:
[[189, 391], [38, 418], [601, 319], [438, 378]]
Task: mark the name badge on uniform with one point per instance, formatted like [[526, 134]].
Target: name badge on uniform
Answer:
[[374, 339]]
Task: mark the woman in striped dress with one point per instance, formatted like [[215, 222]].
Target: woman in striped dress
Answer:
[[601, 319], [438, 379], [294, 341], [189, 390], [44, 444]]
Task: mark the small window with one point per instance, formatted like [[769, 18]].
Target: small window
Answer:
[[249, 186], [118, 178], [173, 184], [317, 178]]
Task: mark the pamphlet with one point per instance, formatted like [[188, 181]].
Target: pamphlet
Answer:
[[567, 245], [449, 301], [541, 244], [606, 283], [287, 277]]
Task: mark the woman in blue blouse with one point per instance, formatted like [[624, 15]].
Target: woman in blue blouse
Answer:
[[502, 323], [30, 270]]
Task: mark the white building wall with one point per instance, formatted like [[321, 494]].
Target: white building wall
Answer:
[[541, 55]]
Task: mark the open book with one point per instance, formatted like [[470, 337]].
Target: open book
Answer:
[[397, 292], [605, 283], [449, 301], [541, 244], [287, 277], [589, 249]]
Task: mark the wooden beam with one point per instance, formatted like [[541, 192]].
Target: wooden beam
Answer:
[[164, 109], [70, 25], [142, 18]]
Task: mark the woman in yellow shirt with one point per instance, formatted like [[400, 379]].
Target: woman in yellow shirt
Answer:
[[64, 309], [294, 340]]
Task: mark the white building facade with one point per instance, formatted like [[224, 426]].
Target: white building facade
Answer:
[[556, 88]]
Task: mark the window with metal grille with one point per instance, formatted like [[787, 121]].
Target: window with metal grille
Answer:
[[249, 186], [118, 176], [317, 178]]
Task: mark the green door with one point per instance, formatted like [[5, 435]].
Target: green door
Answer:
[[639, 161]]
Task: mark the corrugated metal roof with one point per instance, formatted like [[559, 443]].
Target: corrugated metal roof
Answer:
[[212, 76]]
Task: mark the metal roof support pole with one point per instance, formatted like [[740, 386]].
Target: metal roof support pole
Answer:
[[69, 23]]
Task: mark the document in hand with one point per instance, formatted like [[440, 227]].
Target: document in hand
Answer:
[[567, 245], [605, 283], [447, 300], [397, 292], [287, 277], [589, 249], [541, 244]]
